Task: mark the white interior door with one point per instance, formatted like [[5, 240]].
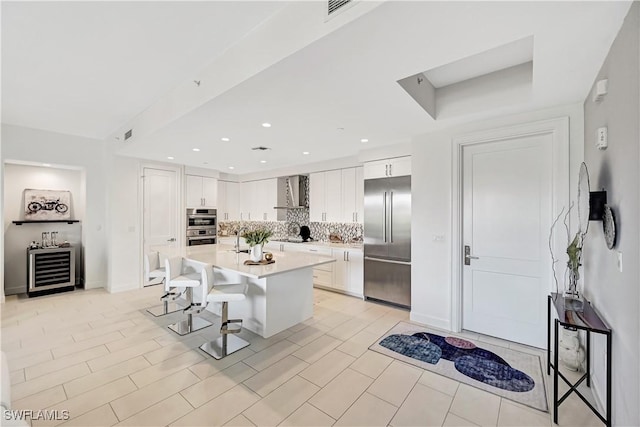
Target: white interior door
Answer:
[[160, 193], [507, 215]]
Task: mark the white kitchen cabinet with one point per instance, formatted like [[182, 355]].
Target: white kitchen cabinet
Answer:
[[399, 166], [325, 196], [266, 198], [202, 191], [322, 274], [352, 195], [257, 199], [228, 201], [348, 272], [245, 199]]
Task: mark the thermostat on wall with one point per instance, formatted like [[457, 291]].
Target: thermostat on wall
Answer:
[[602, 140]]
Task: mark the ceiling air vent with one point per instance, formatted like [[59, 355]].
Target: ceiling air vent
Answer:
[[334, 5], [128, 134], [260, 148]]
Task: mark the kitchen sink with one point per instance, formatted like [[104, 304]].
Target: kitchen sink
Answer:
[[244, 251]]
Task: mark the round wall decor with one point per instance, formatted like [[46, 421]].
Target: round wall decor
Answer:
[[609, 227]]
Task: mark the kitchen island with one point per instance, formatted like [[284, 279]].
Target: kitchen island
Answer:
[[279, 295]]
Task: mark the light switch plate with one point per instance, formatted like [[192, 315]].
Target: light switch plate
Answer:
[[602, 138], [620, 261]]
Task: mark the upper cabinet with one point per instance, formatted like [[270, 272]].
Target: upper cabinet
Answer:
[[266, 198], [228, 201], [399, 166], [257, 200], [325, 196], [336, 196], [352, 194], [201, 191]]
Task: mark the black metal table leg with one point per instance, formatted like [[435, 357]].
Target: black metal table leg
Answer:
[[609, 343], [555, 372], [588, 350], [549, 335]]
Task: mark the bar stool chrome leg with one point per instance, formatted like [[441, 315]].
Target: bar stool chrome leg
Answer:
[[190, 324], [227, 343]]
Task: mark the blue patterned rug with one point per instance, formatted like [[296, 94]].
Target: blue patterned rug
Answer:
[[502, 371]]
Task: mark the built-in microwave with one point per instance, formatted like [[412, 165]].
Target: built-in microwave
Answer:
[[198, 218]]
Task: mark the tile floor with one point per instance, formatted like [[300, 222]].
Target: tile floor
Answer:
[[105, 360]]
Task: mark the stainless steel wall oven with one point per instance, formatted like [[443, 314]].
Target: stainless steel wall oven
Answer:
[[201, 226]]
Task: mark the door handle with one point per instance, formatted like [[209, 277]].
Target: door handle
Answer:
[[391, 215], [348, 256], [467, 255], [173, 239], [384, 218], [390, 173], [386, 170]]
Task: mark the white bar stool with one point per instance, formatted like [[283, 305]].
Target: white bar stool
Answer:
[[227, 343], [154, 274], [180, 277]]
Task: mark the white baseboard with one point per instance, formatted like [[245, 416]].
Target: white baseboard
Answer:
[[432, 321], [123, 288], [95, 284]]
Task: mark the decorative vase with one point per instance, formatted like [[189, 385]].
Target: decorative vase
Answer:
[[256, 253], [570, 351]]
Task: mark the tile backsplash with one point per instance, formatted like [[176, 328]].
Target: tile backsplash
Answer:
[[348, 232]]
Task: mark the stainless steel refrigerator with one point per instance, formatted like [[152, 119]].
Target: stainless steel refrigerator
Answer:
[[387, 240]]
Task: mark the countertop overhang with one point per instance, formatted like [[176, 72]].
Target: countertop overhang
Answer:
[[224, 257]]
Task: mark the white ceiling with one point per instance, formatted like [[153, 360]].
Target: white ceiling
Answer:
[[347, 79], [86, 68]]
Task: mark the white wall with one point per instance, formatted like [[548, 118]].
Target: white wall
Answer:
[[17, 178], [432, 214], [32, 145], [613, 293], [124, 224]]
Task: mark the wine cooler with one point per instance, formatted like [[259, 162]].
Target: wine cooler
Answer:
[[51, 268]]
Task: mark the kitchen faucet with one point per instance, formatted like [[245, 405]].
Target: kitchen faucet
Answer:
[[239, 231]]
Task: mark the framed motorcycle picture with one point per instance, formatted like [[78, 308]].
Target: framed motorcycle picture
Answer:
[[46, 205]]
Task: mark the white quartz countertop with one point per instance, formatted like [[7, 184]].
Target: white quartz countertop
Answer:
[[224, 257], [326, 244], [313, 243]]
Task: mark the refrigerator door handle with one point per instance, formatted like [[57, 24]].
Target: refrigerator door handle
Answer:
[[384, 218], [391, 217], [389, 261]]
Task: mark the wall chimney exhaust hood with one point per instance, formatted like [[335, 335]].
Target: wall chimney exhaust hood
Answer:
[[292, 192]]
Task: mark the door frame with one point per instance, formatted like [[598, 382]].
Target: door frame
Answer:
[[181, 220], [559, 129]]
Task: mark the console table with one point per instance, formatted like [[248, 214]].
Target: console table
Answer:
[[587, 320]]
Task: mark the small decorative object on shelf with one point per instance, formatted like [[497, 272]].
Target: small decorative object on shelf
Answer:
[[47, 204]]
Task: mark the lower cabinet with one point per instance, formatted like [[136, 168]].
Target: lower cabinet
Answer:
[[348, 273]]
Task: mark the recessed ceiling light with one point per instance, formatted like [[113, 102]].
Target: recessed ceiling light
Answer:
[[225, 139], [46, 164], [263, 161], [231, 167], [196, 149], [305, 152], [364, 140], [266, 125], [170, 157]]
